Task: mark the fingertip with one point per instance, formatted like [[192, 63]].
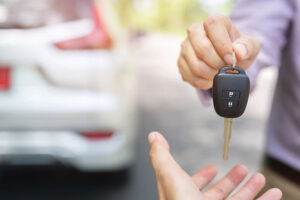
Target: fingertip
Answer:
[[242, 169], [212, 168], [260, 178], [238, 173], [152, 136], [256, 182], [276, 192], [158, 138], [260, 175], [240, 50], [272, 194]]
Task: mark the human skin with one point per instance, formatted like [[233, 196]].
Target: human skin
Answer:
[[208, 47], [175, 184]]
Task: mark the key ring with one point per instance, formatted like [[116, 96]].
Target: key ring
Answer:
[[233, 59]]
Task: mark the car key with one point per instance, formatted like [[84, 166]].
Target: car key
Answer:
[[230, 96], [227, 137]]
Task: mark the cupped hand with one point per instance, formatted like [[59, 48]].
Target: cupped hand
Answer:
[[175, 184], [209, 46]]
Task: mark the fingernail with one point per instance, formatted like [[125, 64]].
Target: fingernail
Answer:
[[152, 137], [228, 59], [241, 50]]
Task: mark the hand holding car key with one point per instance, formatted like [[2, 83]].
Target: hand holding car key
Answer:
[[206, 50], [230, 96]]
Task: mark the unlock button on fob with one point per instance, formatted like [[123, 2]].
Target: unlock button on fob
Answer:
[[230, 104]]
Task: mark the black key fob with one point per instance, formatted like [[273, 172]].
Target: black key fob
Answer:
[[230, 92]]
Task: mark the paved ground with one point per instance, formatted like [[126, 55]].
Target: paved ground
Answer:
[[168, 105]]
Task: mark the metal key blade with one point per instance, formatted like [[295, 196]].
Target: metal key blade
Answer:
[[227, 136], [228, 123]]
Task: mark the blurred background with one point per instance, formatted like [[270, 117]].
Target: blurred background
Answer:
[[83, 82]]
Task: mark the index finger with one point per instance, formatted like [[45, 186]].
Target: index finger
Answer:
[[218, 30], [203, 47]]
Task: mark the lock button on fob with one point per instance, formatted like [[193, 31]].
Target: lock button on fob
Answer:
[[230, 92]]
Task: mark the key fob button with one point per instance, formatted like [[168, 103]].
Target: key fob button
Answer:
[[232, 94], [230, 104]]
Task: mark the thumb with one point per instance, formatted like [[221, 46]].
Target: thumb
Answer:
[[155, 138], [162, 161], [246, 47], [172, 181]]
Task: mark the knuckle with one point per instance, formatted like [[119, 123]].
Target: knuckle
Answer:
[[180, 61], [182, 45], [213, 19], [191, 29], [185, 55], [181, 71], [180, 67], [194, 28], [210, 20]]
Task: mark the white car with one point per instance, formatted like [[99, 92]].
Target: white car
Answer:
[[70, 102]]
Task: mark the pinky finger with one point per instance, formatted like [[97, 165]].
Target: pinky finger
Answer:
[[272, 194]]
